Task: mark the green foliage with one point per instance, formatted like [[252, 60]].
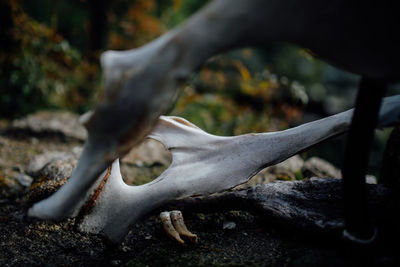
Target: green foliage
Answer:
[[234, 93], [227, 98], [298, 175], [174, 12], [133, 23], [26, 87], [42, 70]]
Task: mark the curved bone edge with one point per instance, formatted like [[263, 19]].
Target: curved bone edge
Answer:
[[179, 224], [310, 206], [215, 163], [169, 228], [202, 164]]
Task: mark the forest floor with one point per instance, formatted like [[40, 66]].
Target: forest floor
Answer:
[[252, 242]]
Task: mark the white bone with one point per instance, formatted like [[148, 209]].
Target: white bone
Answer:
[[203, 164], [141, 84]]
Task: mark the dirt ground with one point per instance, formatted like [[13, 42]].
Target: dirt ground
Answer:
[[253, 242]]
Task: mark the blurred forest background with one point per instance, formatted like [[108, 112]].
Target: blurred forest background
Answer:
[[49, 56]]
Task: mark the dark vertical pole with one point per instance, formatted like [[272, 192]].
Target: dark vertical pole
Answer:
[[98, 24], [6, 24], [358, 227], [390, 171], [390, 177]]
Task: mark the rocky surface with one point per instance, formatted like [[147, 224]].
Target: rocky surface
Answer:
[[311, 205], [320, 168], [32, 166], [63, 124]]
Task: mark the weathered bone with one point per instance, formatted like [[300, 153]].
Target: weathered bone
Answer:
[[204, 164], [179, 224], [174, 226], [169, 229], [140, 84]]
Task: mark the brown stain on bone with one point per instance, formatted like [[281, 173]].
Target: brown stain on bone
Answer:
[[91, 202]]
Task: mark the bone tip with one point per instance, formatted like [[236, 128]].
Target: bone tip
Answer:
[[49, 209], [107, 57], [191, 237], [32, 212], [40, 211], [180, 240]]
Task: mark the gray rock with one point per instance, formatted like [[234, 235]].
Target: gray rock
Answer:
[[59, 169], [25, 180], [286, 170], [52, 175], [317, 167], [40, 161], [65, 124], [149, 152]]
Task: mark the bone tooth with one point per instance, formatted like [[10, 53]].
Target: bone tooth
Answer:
[[179, 224], [169, 228]]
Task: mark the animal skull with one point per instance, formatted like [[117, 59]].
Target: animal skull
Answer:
[[202, 164]]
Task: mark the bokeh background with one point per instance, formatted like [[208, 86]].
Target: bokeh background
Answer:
[[49, 56]]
